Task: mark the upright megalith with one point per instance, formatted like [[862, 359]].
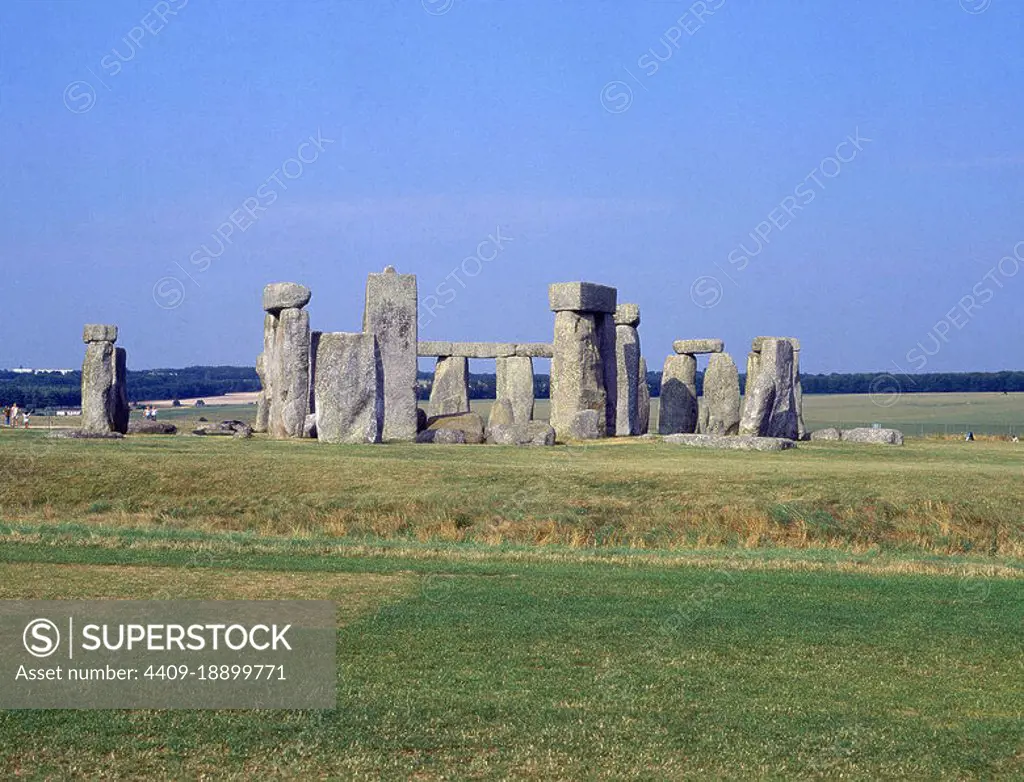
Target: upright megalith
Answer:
[[627, 365], [769, 408], [390, 314], [449, 393], [104, 393], [514, 382], [678, 398], [314, 345], [349, 389], [754, 366], [721, 397], [583, 354], [643, 397], [262, 405], [286, 340]]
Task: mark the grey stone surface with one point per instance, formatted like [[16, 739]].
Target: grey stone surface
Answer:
[[753, 365], [289, 374], [581, 297], [874, 436], [695, 347], [262, 406], [428, 349], [390, 313], [534, 433], [535, 349], [702, 415], [349, 389], [798, 394], [81, 434], [733, 443], [501, 414], [309, 428], [514, 382], [678, 399], [237, 429], [627, 367], [643, 397], [99, 332], [721, 395], [442, 437], [577, 371], [829, 433], [483, 349], [142, 426], [470, 424], [98, 394], [610, 369], [279, 296], [757, 344], [769, 408], [585, 425], [450, 390], [627, 315]]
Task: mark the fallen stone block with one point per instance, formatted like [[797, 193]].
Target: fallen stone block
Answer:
[[731, 443], [875, 436], [151, 427], [830, 433], [442, 437], [79, 434], [470, 424]]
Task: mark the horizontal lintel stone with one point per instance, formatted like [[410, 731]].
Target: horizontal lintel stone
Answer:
[[467, 349], [758, 343], [581, 297], [694, 346], [99, 332]]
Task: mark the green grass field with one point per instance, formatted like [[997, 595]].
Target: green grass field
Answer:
[[618, 609]]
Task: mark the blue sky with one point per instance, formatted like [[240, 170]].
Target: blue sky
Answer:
[[847, 173]]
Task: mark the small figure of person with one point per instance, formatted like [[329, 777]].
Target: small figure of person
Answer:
[[152, 415], [970, 437], [14, 415], [149, 412], [24, 419], [1016, 439], [7, 416]]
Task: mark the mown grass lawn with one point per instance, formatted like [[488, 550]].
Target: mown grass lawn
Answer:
[[479, 663]]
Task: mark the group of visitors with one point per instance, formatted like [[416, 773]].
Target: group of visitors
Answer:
[[11, 413], [150, 412]]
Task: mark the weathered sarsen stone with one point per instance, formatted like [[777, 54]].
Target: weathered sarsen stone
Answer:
[[606, 337], [279, 296], [577, 371], [721, 395], [769, 409], [471, 425], [514, 382], [678, 399], [627, 367], [349, 389], [262, 406], [391, 314], [289, 374], [449, 392], [697, 346], [104, 393], [643, 397]]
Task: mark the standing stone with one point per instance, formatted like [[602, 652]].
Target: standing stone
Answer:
[[753, 364], [627, 370], [577, 372], [643, 399], [104, 394], [390, 314], [514, 382], [798, 392], [262, 407], [769, 409], [501, 414], [314, 344], [349, 389], [289, 374], [703, 413], [721, 396], [450, 391], [678, 413]]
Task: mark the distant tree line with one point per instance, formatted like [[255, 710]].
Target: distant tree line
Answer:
[[53, 390]]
